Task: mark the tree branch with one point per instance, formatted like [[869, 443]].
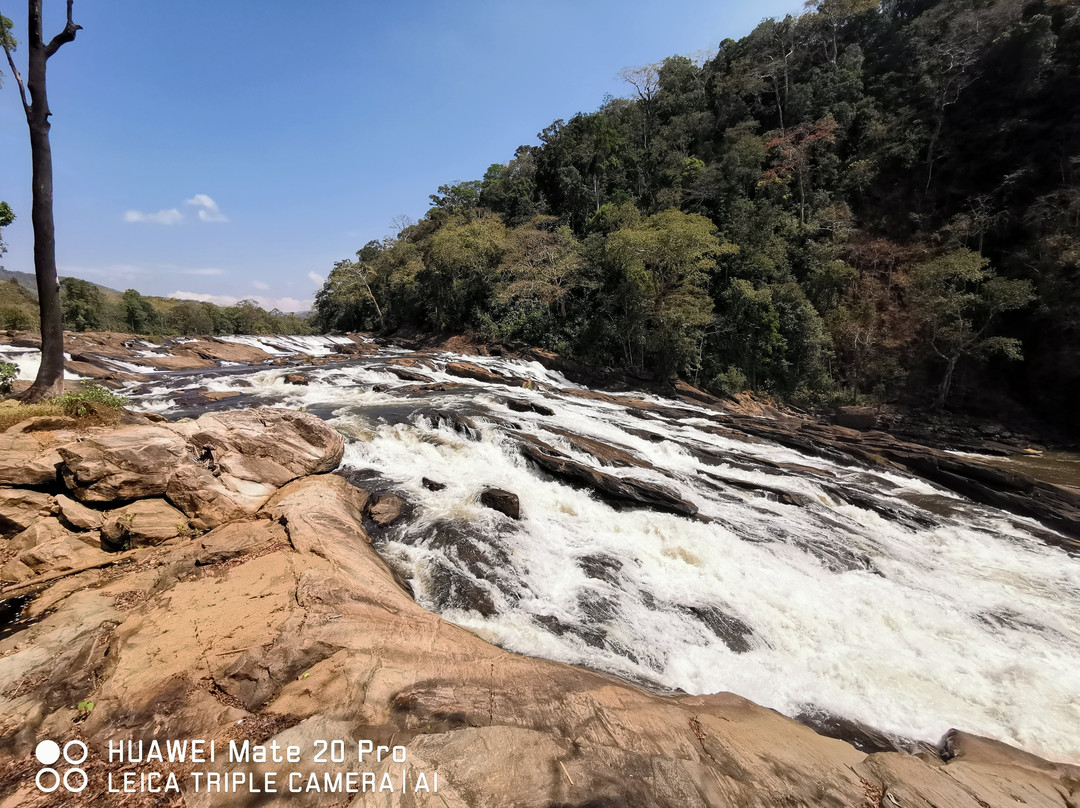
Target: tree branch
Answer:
[[14, 70], [65, 36]]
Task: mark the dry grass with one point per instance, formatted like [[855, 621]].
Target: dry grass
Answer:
[[13, 412]]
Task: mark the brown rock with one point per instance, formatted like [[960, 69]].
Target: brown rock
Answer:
[[136, 461], [244, 456], [179, 361], [20, 508], [237, 539], [386, 509], [470, 371], [27, 457], [78, 515], [296, 378], [502, 501], [148, 521], [224, 351], [862, 419], [324, 644]]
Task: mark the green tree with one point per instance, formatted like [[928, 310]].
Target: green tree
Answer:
[[140, 317], [957, 297], [665, 263], [50, 376], [7, 216], [460, 270], [82, 304], [543, 263]]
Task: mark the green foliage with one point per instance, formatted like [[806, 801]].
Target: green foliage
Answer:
[[87, 400], [957, 296], [8, 372], [763, 218], [82, 305]]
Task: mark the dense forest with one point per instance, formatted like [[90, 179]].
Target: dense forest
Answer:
[[864, 202]]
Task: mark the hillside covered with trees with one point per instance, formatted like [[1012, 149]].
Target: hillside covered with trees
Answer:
[[86, 306], [876, 202]]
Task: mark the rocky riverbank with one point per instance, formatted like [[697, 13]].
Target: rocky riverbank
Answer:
[[208, 579]]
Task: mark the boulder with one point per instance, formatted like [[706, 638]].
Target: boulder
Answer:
[[20, 508], [518, 405], [46, 547], [862, 419], [296, 378], [78, 515], [386, 509], [147, 521], [502, 501], [127, 463], [224, 351], [29, 457], [470, 371], [628, 489], [432, 485], [243, 456]]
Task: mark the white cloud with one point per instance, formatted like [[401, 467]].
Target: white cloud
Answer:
[[262, 287], [208, 208], [170, 216], [316, 278], [286, 304]]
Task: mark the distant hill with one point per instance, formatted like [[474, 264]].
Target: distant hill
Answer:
[[25, 278]]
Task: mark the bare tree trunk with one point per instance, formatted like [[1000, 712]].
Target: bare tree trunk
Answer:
[[50, 376], [946, 383]]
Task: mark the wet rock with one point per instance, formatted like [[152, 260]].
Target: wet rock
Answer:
[[453, 589], [408, 375], [734, 633], [470, 371], [431, 485], [385, 509], [131, 462], [518, 405], [145, 522], [601, 567], [608, 454], [222, 351], [622, 488], [297, 379], [862, 736], [502, 501], [462, 424]]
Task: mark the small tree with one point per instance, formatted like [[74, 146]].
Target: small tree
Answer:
[[50, 377], [956, 297]]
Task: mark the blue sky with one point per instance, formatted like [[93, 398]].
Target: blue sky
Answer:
[[238, 149]]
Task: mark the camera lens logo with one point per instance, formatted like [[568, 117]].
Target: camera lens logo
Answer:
[[49, 779]]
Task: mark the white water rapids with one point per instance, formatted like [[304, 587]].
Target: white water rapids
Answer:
[[909, 625]]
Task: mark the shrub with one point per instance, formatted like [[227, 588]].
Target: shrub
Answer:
[[8, 372], [93, 397]]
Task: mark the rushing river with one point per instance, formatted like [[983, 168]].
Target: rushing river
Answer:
[[950, 614]]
